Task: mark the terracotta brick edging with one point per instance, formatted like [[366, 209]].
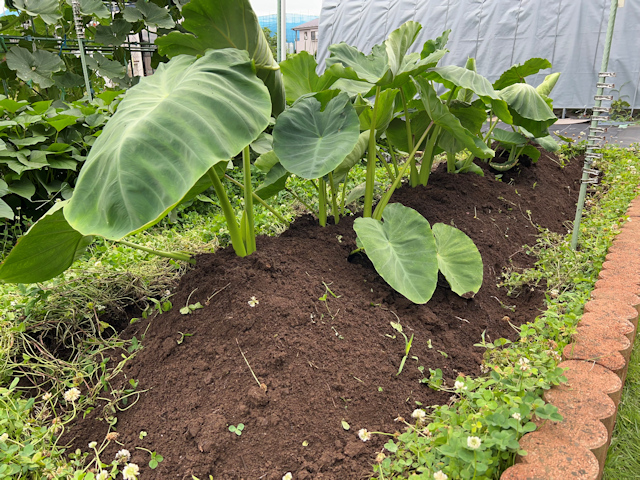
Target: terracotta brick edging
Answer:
[[596, 364]]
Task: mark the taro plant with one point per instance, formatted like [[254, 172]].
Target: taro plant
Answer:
[[531, 112], [408, 253], [171, 138]]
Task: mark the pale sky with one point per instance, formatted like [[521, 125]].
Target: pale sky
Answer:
[[305, 7]]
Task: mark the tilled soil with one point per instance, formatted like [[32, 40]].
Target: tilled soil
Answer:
[[319, 338]]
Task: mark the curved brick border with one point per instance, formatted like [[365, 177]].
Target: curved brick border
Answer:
[[576, 448]]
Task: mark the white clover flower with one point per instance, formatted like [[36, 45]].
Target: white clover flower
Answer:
[[123, 456], [440, 475], [419, 414], [459, 385], [474, 443], [554, 293], [523, 363], [130, 472], [364, 434], [93, 445], [253, 302], [72, 395], [287, 476], [46, 396], [4, 437], [103, 475], [517, 416]]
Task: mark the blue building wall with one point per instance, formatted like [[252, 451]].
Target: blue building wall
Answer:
[[293, 20]]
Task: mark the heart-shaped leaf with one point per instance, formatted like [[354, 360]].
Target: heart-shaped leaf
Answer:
[[46, 250], [300, 77], [458, 259], [48, 10], [528, 108], [93, 7], [167, 132], [114, 34], [37, 67], [402, 249], [154, 15], [310, 142], [105, 67]]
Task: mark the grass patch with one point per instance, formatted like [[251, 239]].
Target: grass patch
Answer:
[[623, 458]]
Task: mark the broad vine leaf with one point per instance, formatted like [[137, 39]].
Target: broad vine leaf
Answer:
[[48, 10], [60, 122], [528, 108], [5, 210], [49, 247], [154, 15], [402, 249], [442, 117], [311, 143], [105, 67], [132, 14], [114, 34], [23, 188], [458, 259], [68, 79], [300, 77], [37, 67], [223, 24], [517, 73], [167, 132], [93, 7]]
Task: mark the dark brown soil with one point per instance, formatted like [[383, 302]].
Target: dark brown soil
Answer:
[[323, 361]]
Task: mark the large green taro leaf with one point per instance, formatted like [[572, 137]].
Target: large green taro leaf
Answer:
[[517, 73], [528, 108], [342, 170], [49, 247], [226, 24], [458, 259], [441, 116], [311, 143], [37, 67], [388, 64], [300, 77], [402, 249], [467, 80], [167, 132]]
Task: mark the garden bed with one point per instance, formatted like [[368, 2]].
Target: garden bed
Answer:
[[314, 326]]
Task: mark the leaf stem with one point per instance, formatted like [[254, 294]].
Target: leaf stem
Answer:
[[257, 198], [248, 201], [322, 202], [174, 255], [334, 200], [371, 160], [387, 196], [229, 215]]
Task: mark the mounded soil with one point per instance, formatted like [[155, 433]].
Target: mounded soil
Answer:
[[323, 362]]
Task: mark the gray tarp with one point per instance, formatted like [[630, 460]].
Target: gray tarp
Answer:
[[500, 33]]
